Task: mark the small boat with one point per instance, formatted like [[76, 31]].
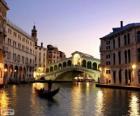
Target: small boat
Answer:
[[46, 94]]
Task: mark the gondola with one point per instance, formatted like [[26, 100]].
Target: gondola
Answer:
[[46, 94]]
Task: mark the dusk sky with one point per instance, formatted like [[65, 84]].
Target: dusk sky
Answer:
[[73, 25]]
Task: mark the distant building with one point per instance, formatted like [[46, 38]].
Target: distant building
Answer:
[[41, 56], [120, 55], [3, 12], [54, 55]]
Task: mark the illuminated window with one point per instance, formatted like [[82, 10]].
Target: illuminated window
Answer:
[[76, 59]]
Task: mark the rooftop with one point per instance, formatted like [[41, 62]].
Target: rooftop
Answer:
[[18, 29], [121, 29], [4, 3]]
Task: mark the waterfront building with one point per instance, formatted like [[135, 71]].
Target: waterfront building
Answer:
[[120, 55], [3, 12], [19, 59], [41, 58], [54, 55]]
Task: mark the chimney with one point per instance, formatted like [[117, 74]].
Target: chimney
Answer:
[[41, 44], [121, 24]]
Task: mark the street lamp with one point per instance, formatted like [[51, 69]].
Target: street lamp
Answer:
[[5, 70], [134, 66]]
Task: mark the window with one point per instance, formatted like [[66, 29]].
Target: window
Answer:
[[9, 55], [113, 43], [9, 41], [108, 63], [128, 38], [19, 45], [9, 31], [107, 42], [129, 56], [108, 56], [15, 34], [23, 47], [125, 56], [114, 76], [125, 40], [138, 54], [14, 57], [14, 44], [114, 60], [138, 36], [119, 42], [107, 47], [119, 56], [23, 59], [107, 71]]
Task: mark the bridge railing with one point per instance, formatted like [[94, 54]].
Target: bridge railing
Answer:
[[74, 67]]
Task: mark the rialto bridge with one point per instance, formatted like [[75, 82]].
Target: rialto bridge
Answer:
[[80, 64]]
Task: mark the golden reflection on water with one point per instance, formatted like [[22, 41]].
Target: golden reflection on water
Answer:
[[134, 105], [76, 100], [4, 100], [99, 103], [87, 88], [38, 85]]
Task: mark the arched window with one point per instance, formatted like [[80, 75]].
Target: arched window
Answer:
[[94, 66], [89, 64], [51, 69], [69, 63], [55, 67], [84, 63], [60, 66], [64, 64], [76, 59]]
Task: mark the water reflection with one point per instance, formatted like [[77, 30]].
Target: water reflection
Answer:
[[134, 105], [99, 103], [76, 100], [4, 100], [38, 85], [81, 99]]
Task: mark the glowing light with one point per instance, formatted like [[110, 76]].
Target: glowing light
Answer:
[[76, 59], [38, 85], [5, 70], [15, 70], [134, 66], [100, 69]]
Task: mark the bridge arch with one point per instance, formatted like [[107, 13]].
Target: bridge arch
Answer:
[[89, 64], [94, 66], [69, 75], [69, 63], [60, 66], [84, 63], [55, 67], [64, 64], [51, 69]]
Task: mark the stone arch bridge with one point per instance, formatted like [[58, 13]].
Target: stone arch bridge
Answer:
[[79, 64]]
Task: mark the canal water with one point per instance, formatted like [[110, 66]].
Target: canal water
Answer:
[[72, 100]]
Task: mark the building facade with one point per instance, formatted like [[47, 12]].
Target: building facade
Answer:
[[19, 61], [120, 55], [41, 57], [3, 12], [54, 55]]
